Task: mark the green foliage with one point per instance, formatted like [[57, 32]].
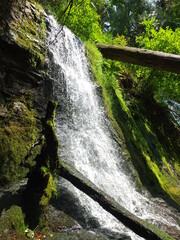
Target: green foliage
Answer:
[[114, 67], [168, 13], [80, 16], [101, 7], [84, 21], [165, 40], [161, 84], [125, 16], [96, 61]]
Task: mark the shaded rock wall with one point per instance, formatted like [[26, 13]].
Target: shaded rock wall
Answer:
[[24, 85]]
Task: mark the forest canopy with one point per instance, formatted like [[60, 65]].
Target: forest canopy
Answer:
[[146, 24]]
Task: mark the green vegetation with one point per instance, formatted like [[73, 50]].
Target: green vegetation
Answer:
[[167, 13], [124, 17], [163, 85], [41, 184], [13, 219], [130, 93], [19, 128], [84, 21], [50, 186], [80, 16], [18, 132], [12, 224], [30, 35]]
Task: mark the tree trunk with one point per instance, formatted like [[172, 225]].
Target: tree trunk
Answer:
[[137, 225], [143, 57]]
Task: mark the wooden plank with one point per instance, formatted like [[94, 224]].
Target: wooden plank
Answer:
[[147, 58]]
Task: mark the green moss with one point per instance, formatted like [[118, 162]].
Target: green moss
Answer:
[[49, 189], [162, 235], [19, 129], [147, 154], [177, 168], [174, 192], [166, 164], [12, 219], [30, 33], [168, 181], [18, 132], [52, 220], [96, 61], [41, 184]]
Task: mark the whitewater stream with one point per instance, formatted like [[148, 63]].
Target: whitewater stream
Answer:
[[174, 108], [87, 142]]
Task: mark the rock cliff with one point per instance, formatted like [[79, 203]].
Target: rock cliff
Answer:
[[24, 86]]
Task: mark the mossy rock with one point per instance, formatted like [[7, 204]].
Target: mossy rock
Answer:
[[22, 99], [19, 130], [12, 223], [29, 30], [55, 224], [41, 184], [54, 220], [49, 187], [80, 235]]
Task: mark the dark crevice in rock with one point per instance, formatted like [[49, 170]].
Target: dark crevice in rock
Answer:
[[40, 180]]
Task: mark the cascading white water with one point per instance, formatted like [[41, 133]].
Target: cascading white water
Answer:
[[174, 108], [84, 133]]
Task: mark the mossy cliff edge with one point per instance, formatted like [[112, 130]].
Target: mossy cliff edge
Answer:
[[148, 133], [24, 90]]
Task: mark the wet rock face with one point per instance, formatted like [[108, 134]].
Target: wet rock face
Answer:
[[24, 87], [22, 50]]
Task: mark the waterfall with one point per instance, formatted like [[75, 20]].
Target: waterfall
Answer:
[[174, 108], [87, 142]]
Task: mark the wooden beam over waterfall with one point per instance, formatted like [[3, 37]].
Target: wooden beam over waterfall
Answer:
[[147, 58], [139, 226]]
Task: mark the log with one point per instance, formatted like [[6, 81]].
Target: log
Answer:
[[137, 225], [147, 58]]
